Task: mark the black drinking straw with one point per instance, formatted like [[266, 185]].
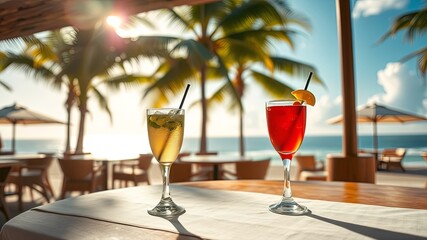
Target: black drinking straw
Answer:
[[308, 80], [183, 97]]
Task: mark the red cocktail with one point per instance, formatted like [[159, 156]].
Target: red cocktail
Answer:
[[286, 127]]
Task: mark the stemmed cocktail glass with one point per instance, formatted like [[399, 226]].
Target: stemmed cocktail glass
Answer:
[[286, 127], [165, 134]]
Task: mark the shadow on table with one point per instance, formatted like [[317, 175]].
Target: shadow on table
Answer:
[[184, 233], [372, 232]]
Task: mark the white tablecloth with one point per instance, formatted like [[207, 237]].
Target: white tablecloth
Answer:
[[217, 214]]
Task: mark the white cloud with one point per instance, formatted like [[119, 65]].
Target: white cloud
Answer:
[[374, 7], [402, 89], [325, 108]]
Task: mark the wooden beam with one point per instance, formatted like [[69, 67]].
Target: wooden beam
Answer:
[[25, 17], [345, 38]]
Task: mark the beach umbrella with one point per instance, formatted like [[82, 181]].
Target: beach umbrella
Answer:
[[16, 114], [375, 113]]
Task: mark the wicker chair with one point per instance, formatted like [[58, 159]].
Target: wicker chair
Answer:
[[4, 172], [133, 171], [34, 175], [81, 175], [252, 169], [180, 172]]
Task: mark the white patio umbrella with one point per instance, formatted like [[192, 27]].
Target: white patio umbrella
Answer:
[[375, 113], [16, 114]]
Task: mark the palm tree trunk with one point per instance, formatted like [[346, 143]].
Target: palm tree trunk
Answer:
[[79, 145], [242, 139], [68, 105], [239, 85], [203, 139], [67, 139]]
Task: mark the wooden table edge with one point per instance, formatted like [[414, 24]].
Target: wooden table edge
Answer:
[[348, 192]]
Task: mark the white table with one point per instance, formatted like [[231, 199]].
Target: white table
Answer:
[[215, 211]]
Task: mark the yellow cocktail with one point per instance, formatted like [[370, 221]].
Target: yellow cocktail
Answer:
[[165, 134]]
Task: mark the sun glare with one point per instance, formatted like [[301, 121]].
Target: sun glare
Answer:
[[114, 21], [116, 145]]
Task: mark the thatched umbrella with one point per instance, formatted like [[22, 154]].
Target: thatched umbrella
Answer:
[[16, 114]]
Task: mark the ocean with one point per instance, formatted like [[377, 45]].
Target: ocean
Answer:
[[319, 146]]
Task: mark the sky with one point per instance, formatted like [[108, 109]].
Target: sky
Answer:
[[379, 76]]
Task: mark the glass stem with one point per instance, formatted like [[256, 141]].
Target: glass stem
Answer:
[[287, 192], [165, 175]]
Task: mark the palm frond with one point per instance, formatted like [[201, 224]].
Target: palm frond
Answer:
[[16, 43], [414, 22], [196, 53], [214, 73], [235, 51], [39, 49], [422, 60], [157, 99], [221, 95], [150, 46], [296, 68], [234, 95], [4, 85], [126, 81], [252, 13], [26, 64], [102, 102], [264, 37], [271, 85], [180, 72], [179, 21], [289, 16], [138, 20], [209, 15]]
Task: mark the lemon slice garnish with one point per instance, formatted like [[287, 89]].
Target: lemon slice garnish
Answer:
[[305, 96]]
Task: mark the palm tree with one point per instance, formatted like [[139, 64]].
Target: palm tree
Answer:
[[415, 24], [86, 61], [244, 71], [255, 52], [99, 53], [218, 30], [42, 59]]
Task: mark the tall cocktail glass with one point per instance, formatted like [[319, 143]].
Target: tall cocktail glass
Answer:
[[165, 134], [286, 127]]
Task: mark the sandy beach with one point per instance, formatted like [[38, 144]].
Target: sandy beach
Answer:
[[413, 177]]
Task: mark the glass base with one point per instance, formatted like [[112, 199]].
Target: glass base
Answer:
[[166, 208], [287, 206]]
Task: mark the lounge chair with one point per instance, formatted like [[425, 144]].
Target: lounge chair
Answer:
[[308, 168], [392, 157]]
